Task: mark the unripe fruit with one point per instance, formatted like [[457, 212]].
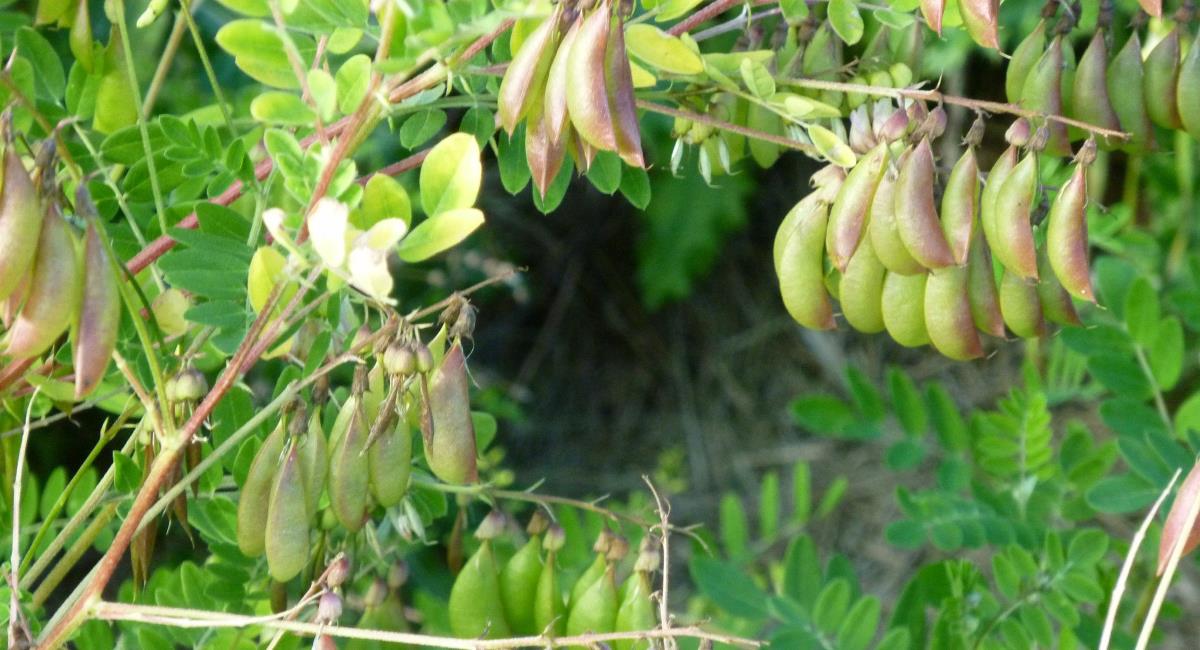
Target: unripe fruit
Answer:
[[932, 10], [389, 463], [543, 153], [557, 83], [861, 290], [981, 289], [475, 603], [596, 609], [801, 271], [981, 18], [1056, 302], [1023, 59], [525, 77], [54, 290], [948, 317], [256, 493], [1043, 93], [618, 79], [848, 215], [1089, 92], [348, 465], [549, 613], [885, 234], [1160, 83], [587, 100], [518, 586], [286, 534], [314, 462], [21, 218], [1188, 89], [1067, 237], [960, 205], [904, 308], [636, 611], [991, 189], [1021, 307], [1013, 243], [1125, 90], [916, 216], [99, 316], [450, 439]]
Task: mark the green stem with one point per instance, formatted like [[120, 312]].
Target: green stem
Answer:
[[1184, 173], [73, 554], [186, 10]]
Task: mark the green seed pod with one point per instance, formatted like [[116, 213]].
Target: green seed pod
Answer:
[[861, 290], [549, 612], [314, 462], [389, 463], [348, 467], [80, 38], [476, 609], [1089, 92], [1021, 307], [596, 609], [1014, 245], [991, 189], [1056, 302], [1067, 237], [801, 271], [543, 154], [948, 316], [585, 580], [1125, 90], [904, 308], [450, 441], [1068, 76], [557, 84], [1023, 60], [115, 108], [786, 227], [981, 18], [518, 586], [587, 96], [1188, 89], [21, 218], [981, 289], [286, 534], [916, 216], [960, 205], [1161, 82], [99, 316], [1042, 92], [849, 212], [636, 611], [525, 78], [618, 79], [933, 10], [885, 234], [54, 290], [256, 493]]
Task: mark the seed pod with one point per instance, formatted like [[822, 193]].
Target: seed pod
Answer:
[[586, 579], [932, 10], [80, 37], [1161, 80], [960, 205], [1042, 92], [1021, 307], [849, 212], [948, 318], [916, 216], [1013, 243], [21, 218], [557, 83], [981, 18], [99, 317], [636, 611], [1067, 237], [1177, 520], [525, 78], [12, 305], [587, 96], [618, 78], [1089, 93], [314, 462], [885, 235], [787, 226], [518, 586], [904, 308], [861, 290], [475, 606], [348, 465], [450, 441], [1125, 90], [543, 154], [286, 532], [801, 268], [54, 290], [389, 463], [256, 493], [1067, 83], [991, 189], [981, 289], [1188, 89], [596, 610], [1023, 59], [1056, 302], [861, 138], [549, 613]]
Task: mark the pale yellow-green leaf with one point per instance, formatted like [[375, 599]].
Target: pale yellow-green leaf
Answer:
[[672, 9], [830, 146], [642, 78], [451, 175], [439, 232], [660, 50], [267, 268], [383, 198], [324, 93], [277, 107]]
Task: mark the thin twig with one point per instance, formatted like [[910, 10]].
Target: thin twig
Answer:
[[14, 606], [664, 513], [1164, 582]]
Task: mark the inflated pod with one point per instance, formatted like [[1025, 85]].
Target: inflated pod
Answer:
[[543, 154], [960, 205], [1023, 59], [981, 18], [314, 462], [1089, 91], [389, 463], [475, 606], [1067, 236], [907, 44], [801, 267], [80, 37], [590, 575], [915, 212], [596, 610], [1068, 76], [904, 308], [623, 104], [54, 290], [1013, 244], [1043, 93], [1161, 81], [981, 289], [1056, 302], [1021, 307], [12, 304], [636, 611], [21, 218], [587, 95], [885, 234], [1127, 94], [787, 226], [948, 318], [286, 534], [1179, 529], [848, 215], [1188, 89], [933, 10], [518, 586], [991, 189], [558, 82], [349, 474], [449, 434], [98, 319], [860, 290], [525, 78], [255, 496]]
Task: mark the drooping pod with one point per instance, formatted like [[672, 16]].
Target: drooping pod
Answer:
[[915, 212], [1056, 302], [314, 461], [349, 473], [848, 215], [991, 189], [595, 611], [960, 205], [1043, 93], [286, 534], [885, 235], [981, 18], [543, 154], [519, 579], [981, 289], [594, 570], [948, 318], [637, 611], [99, 316], [1188, 90], [801, 268], [933, 10], [557, 83], [475, 606], [389, 462], [1176, 530], [449, 434], [255, 496], [1161, 81], [618, 78], [525, 77], [1089, 92], [1126, 92], [54, 290], [904, 308], [587, 96], [21, 219], [1013, 244], [861, 290], [1024, 58], [1067, 236], [1021, 307], [549, 612]]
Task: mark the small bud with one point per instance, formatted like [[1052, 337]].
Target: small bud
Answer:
[[376, 593], [649, 555], [1087, 153], [361, 335], [935, 123], [492, 526], [188, 385], [399, 359], [538, 522], [555, 538], [397, 574], [1018, 134], [1040, 139], [329, 607], [338, 571], [464, 324], [424, 358], [169, 309], [603, 541], [975, 133], [617, 549]]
